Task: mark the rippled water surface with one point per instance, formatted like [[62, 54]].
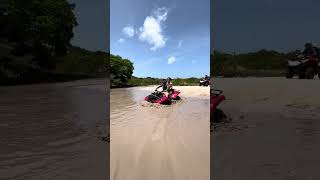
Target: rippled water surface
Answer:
[[51, 131]]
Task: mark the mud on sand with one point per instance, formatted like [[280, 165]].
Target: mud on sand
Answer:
[[274, 133]]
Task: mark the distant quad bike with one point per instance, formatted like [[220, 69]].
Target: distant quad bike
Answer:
[[204, 83], [305, 68]]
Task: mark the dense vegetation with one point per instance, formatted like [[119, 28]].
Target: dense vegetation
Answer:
[[35, 44], [120, 71], [261, 63], [156, 81]]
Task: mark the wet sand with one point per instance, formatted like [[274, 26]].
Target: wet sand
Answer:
[[51, 131], [274, 133], [150, 141]]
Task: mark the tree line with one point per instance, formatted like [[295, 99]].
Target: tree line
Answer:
[[35, 44], [259, 63]]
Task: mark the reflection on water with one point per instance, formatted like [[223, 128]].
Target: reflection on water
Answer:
[[50, 131], [158, 142]]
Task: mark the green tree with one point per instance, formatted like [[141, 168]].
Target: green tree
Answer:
[[120, 70], [44, 25]]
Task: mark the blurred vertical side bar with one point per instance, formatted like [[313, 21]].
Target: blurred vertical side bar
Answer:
[[211, 74], [108, 90]]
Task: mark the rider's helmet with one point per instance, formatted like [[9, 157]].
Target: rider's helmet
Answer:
[[308, 45], [168, 79]]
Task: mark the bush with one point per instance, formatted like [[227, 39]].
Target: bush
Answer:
[[120, 71]]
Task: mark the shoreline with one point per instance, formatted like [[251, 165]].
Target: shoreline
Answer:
[[75, 81]]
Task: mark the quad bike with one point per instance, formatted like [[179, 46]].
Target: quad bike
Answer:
[[160, 97], [204, 83], [216, 98], [305, 68]]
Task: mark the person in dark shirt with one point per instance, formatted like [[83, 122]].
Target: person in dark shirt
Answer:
[[310, 51], [166, 85], [163, 85]]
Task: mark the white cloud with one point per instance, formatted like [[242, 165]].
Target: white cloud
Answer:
[[151, 31], [128, 31], [171, 60], [180, 44], [121, 40], [161, 14]]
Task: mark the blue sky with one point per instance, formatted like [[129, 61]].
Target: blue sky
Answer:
[[250, 25], [92, 32], [162, 37]]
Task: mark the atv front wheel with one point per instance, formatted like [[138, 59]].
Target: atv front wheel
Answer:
[[289, 73]]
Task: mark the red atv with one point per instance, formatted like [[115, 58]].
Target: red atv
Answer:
[[216, 98], [304, 67], [160, 98]]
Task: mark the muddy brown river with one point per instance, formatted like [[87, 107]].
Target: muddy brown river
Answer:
[[51, 131], [160, 142]]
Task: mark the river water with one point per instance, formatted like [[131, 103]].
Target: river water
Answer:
[[51, 131], [274, 132], [159, 142]]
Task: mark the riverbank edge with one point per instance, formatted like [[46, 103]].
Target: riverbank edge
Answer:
[[44, 77], [149, 81], [131, 86]]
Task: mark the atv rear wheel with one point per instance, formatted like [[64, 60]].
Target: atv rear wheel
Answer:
[[310, 72], [289, 73]]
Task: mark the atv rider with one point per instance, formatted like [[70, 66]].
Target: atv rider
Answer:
[[310, 51], [166, 85], [206, 78], [205, 81]]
